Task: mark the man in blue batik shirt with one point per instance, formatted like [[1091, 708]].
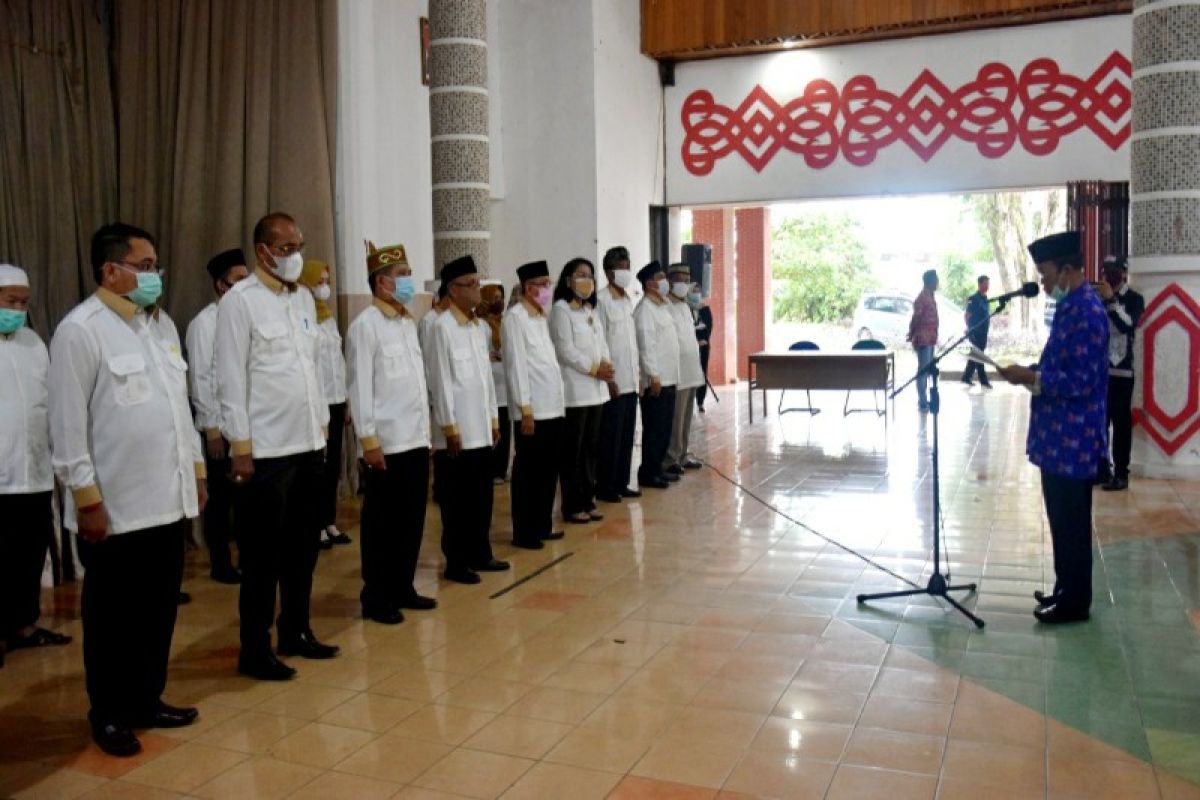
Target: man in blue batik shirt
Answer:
[[1067, 421]]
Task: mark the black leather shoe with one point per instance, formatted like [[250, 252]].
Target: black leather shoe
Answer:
[[608, 498], [670, 477], [528, 544], [630, 493], [265, 668], [692, 463], [165, 716], [461, 576], [654, 483], [1056, 614], [553, 536], [1044, 599], [495, 565], [229, 575], [418, 602], [384, 616], [116, 740], [1116, 485], [674, 469], [184, 598], [306, 646]]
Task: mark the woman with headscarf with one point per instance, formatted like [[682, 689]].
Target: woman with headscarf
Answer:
[[491, 310], [331, 372]]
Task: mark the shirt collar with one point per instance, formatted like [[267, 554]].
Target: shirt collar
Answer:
[[388, 310], [462, 318], [122, 306], [656, 299], [534, 309], [616, 291], [270, 281]]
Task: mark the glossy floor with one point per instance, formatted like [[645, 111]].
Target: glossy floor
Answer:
[[699, 644]]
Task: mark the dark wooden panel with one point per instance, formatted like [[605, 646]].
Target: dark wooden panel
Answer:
[[681, 29]]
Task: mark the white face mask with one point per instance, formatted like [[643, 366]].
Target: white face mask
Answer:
[[622, 278], [663, 287], [681, 289], [289, 267], [322, 292]]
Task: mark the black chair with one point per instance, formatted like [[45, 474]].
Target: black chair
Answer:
[[795, 347], [866, 344]]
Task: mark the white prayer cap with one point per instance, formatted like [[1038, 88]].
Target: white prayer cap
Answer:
[[490, 282], [13, 276]]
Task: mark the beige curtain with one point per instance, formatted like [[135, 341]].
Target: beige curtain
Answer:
[[225, 111], [58, 161]]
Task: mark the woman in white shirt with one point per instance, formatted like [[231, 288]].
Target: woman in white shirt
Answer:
[[587, 372], [331, 371]]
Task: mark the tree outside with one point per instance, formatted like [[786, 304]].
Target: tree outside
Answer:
[[819, 267]]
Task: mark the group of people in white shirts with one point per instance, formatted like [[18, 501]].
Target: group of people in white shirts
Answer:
[[249, 434]]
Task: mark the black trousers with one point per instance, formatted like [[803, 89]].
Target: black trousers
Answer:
[[702, 392], [503, 448], [657, 416], [464, 493], [1069, 509], [614, 452], [218, 513], [535, 470], [974, 368], [26, 528], [331, 470], [130, 599], [393, 520], [278, 544], [577, 459], [1120, 417]]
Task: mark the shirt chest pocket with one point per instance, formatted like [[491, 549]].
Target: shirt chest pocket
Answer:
[[272, 340], [462, 363], [583, 329], [395, 360], [131, 383]]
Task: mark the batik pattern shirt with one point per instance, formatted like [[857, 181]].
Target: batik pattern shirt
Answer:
[[1067, 425]]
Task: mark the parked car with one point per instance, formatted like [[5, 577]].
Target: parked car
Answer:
[[885, 314]]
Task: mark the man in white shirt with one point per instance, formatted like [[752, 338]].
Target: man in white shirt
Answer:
[[691, 373], [125, 450], [440, 304], [26, 482], [390, 405], [618, 418], [274, 415], [225, 269], [466, 425], [536, 406], [658, 351]]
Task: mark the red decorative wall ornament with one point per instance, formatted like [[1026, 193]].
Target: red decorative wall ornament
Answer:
[[1172, 306], [996, 111]]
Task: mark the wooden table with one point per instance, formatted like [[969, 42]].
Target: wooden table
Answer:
[[844, 370]]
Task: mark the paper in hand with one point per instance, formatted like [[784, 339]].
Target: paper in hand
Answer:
[[975, 354]]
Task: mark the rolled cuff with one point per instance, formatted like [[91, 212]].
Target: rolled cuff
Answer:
[[201, 471], [526, 411], [86, 496], [212, 434], [449, 430], [495, 423], [241, 447], [370, 443], [595, 369]]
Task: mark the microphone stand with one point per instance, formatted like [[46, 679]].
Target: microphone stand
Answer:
[[938, 585]]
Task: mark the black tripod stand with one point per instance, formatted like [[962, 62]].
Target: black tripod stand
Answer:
[[938, 585]]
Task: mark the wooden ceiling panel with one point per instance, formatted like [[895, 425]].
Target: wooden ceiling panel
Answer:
[[686, 29]]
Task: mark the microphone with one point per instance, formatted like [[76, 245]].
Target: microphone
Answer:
[[1029, 289]]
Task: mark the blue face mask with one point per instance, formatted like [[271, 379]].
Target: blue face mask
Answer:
[[404, 290], [11, 320], [694, 299]]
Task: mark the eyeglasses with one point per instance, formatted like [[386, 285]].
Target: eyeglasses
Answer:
[[144, 266], [286, 249]]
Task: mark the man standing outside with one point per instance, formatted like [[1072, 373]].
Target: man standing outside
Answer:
[[658, 350], [977, 332], [26, 482], [1067, 421], [536, 406], [225, 269], [274, 415], [466, 425], [391, 418], [1124, 307], [923, 333], [618, 418], [126, 451]]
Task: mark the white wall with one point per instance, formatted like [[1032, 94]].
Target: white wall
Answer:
[[384, 181]]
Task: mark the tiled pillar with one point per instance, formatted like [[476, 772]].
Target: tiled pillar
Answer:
[[714, 227], [1165, 236], [458, 116], [753, 282]]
